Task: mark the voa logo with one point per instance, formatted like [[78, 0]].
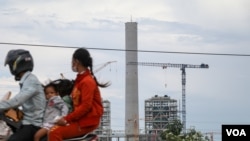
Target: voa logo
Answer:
[[236, 132]]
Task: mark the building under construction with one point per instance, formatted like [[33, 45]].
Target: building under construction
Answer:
[[159, 111], [104, 130]]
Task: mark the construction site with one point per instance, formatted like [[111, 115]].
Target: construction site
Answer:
[[159, 110]]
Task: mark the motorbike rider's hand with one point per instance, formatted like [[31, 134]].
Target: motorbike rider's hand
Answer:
[[62, 122]]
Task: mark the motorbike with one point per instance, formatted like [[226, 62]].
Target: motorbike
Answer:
[[87, 137], [13, 125], [16, 124]]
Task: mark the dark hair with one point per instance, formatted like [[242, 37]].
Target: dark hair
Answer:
[[83, 56], [62, 86], [51, 85]]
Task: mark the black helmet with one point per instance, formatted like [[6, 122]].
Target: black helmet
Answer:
[[19, 60]]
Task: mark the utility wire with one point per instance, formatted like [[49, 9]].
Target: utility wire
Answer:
[[110, 49]]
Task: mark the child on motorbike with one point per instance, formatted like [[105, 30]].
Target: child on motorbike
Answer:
[[55, 108]]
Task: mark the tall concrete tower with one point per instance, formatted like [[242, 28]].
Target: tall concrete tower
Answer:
[[131, 92]]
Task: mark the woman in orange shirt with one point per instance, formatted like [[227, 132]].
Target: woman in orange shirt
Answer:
[[87, 101]]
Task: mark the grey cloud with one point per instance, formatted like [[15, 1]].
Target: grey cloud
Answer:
[[207, 35]]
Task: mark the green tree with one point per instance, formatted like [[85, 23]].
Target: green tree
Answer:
[[193, 135], [173, 129], [173, 133]]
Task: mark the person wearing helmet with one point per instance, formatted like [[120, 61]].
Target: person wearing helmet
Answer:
[[30, 98]]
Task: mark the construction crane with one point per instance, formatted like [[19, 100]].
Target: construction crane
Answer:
[[104, 65], [96, 70], [182, 68]]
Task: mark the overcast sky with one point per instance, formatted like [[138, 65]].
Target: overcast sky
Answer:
[[215, 96]]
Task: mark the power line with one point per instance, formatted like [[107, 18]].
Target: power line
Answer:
[[111, 49]]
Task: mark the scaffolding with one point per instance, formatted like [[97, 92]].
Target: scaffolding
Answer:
[[159, 111], [104, 129]]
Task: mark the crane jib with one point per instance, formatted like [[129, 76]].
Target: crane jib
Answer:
[[166, 65]]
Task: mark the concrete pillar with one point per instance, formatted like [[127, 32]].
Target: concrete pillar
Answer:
[[131, 92]]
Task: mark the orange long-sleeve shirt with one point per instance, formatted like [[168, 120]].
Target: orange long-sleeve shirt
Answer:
[[87, 102]]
